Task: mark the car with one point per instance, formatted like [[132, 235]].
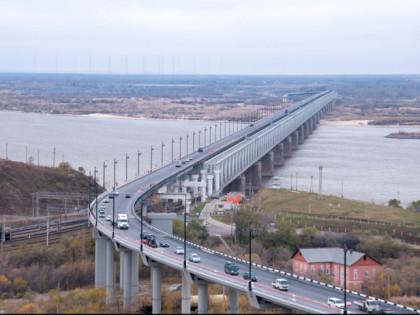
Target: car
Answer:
[[200, 149], [102, 207], [108, 218], [281, 284], [179, 250], [106, 200], [116, 192], [102, 214], [111, 195], [231, 268], [144, 235], [178, 163], [163, 244], [151, 241], [335, 302], [127, 196], [194, 258], [253, 276]]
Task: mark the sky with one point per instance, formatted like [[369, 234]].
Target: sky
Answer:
[[255, 37]]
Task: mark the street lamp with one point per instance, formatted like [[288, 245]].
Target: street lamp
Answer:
[[173, 141], [161, 156], [96, 197], [126, 163], [187, 142], [90, 184], [345, 249], [113, 204], [185, 231], [199, 138], [141, 225], [215, 131], [252, 234], [210, 134], [180, 141], [205, 130], [104, 175], [193, 141], [151, 157], [138, 162]]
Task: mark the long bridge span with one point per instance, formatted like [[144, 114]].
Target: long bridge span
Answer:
[[230, 163]]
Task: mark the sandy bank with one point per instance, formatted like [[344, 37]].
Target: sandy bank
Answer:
[[344, 123]]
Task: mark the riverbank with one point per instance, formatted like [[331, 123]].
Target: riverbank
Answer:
[[359, 123]]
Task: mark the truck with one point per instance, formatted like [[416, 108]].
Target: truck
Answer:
[[368, 305], [122, 221]]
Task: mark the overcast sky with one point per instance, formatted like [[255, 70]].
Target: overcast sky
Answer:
[[276, 37]]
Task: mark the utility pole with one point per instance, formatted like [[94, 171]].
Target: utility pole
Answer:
[[161, 155], [126, 166], [320, 183], [138, 162], [172, 149], [180, 150], [104, 175], [187, 141], [193, 141], [54, 157], [151, 157]]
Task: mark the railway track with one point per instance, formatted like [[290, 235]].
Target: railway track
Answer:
[[38, 235]]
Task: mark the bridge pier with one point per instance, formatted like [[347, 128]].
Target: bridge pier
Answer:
[[210, 185], [195, 188], [242, 183], [156, 279], [295, 140], [233, 301], [134, 275], [100, 258], [287, 145], [186, 293], [306, 130], [267, 164], [203, 185], [278, 155], [217, 180], [301, 136], [203, 296], [127, 296], [109, 271]]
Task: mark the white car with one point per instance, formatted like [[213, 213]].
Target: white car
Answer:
[[194, 258], [108, 218], [179, 250], [335, 302]]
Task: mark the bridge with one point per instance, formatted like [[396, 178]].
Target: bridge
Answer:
[[228, 164]]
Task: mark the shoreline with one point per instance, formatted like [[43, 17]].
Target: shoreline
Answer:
[[359, 123]]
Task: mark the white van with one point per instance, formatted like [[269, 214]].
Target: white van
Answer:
[[335, 302], [122, 221]]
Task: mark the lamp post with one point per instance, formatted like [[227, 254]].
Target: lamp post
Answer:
[[185, 231], [90, 184], [210, 134], [199, 138], [193, 141], [252, 234], [138, 162], [215, 131], [180, 142], [104, 176], [187, 141], [113, 204], [126, 164], [345, 249], [151, 157], [96, 197], [172, 155], [205, 130], [161, 155], [141, 225], [115, 163]]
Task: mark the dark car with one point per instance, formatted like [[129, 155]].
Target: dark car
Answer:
[[151, 241], [200, 149], [253, 276], [231, 268], [163, 244], [127, 196]]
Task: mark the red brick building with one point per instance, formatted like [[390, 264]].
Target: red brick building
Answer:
[[314, 261]]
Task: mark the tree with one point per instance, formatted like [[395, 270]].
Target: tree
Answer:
[[65, 166], [415, 206], [4, 284], [242, 219], [394, 203]]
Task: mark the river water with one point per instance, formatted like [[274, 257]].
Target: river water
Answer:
[[358, 162]]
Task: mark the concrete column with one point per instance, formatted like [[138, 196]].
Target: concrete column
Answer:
[[109, 271], [217, 180], [187, 206], [242, 184], [267, 167], [100, 259], [287, 145], [186, 294], [233, 301], [295, 140], [203, 298], [278, 155], [195, 180], [306, 129], [134, 275], [257, 178], [210, 185], [301, 136], [156, 277], [127, 296], [203, 185]]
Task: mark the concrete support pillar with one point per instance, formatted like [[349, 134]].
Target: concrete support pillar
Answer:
[[186, 293], [216, 180], [242, 183], [100, 259], [233, 301], [287, 145], [267, 165], [306, 129], [300, 133], [134, 275], [127, 296], [109, 271], [203, 298], [295, 143], [256, 175], [195, 180], [203, 185], [187, 206], [210, 185], [278, 155], [156, 277]]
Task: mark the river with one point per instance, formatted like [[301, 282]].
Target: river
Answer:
[[358, 162]]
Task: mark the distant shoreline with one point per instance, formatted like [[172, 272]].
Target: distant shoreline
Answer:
[[359, 123]]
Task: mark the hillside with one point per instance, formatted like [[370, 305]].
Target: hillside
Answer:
[[19, 180]]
